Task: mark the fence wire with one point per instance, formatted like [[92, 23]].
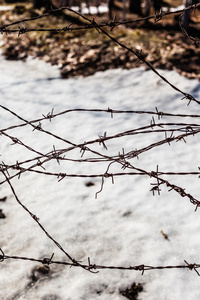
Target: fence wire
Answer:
[[172, 132]]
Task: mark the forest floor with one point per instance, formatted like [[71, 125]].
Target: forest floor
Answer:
[[84, 52]]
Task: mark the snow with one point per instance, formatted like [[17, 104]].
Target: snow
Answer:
[[180, 7], [5, 7], [122, 226], [103, 8]]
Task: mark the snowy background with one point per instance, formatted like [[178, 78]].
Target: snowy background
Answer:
[[122, 226]]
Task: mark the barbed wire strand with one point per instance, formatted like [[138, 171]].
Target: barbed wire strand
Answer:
[[36, 219], [186, 129], [137, 53], [89, 266], [156, 17], [121, 159]]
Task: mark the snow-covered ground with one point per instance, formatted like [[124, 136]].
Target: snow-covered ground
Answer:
[[122, 227]]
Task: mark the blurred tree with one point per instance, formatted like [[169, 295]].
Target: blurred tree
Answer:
[[135, 6], [186, 16], [147, 5], [157, 4], [42, 3], [110, 7], [12, 1]]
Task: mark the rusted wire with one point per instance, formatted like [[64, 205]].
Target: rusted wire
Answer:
[[185, 129], [110, 24], [172, 132], [91, 266], [99, 27]]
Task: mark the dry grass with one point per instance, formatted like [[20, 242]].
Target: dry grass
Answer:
[[163, 43]]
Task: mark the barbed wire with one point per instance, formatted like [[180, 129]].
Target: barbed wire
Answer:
[[122, 159], [186, 131], [112, 24], [50, 115], [99, 28], [36, 219], [90, 266], [74, 263], [181, 129]]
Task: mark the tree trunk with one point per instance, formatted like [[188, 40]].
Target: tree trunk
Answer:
[[88, 6], [42, 3], [147, 5], [186, 15], [124, 10], [135, 6], [157, 5], [110, 8], [98, 3]]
